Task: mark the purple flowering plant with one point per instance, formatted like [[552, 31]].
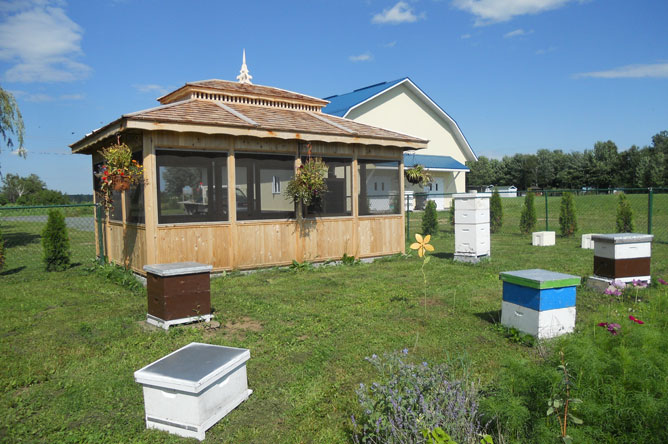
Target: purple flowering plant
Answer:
[[413, 398]]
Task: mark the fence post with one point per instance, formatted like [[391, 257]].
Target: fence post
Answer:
[[100, 232], [650, 208], [408, 215], [547, 225]]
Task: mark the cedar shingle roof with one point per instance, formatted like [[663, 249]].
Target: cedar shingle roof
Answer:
[[207, 112], [223, 107]]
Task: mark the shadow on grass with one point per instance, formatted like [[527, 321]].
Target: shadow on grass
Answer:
[[444, 255], [493, 316], [20, 239], [12, 271]]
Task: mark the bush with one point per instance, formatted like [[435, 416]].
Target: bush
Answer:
[[430, 218], [56, 243], [2, 251], [528, 216], [415, 398], [567, 221], [451, 213], [495, 212], [624, 215]]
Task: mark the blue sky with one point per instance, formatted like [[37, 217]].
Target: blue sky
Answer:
[[517, 75]]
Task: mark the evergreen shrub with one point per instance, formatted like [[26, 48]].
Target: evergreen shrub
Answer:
[[528, 217], [430, 218], [495, 212], [624, 215], [56, 243], [567, 220], [2, 251]]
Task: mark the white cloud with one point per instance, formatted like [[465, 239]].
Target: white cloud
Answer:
[[41, 97], [391, 44], [495, 11], [41, 41], [361, 58], [656, 70], [465, 36], [402, 12], [517, 33], [151, 88]]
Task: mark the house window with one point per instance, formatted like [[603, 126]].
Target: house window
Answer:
[[276, 184], [257, 177], [337, 201], [386, 200], [192, 186]]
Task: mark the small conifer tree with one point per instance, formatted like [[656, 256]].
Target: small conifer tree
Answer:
[[430, 218], [567, 220], [2, 251], [495, 212], [55, 242], [624, 215], [451, 214], [528, 217]]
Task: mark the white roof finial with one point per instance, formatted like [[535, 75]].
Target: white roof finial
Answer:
[[244, 76]]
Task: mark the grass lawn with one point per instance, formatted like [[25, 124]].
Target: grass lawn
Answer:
[[72, 340]]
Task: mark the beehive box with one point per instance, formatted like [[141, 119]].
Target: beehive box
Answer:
[[543, 238], [472, 235], [622, 256], [539, 302], [178, 293], [189, 390]]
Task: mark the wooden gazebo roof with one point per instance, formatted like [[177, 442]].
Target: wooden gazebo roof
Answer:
[[241, 109]]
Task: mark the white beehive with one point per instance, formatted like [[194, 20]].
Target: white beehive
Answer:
[[587, 241], [472, 236], [189, 390], [472, 239], [543, 238]]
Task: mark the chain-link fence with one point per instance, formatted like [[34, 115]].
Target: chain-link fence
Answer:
[[596, 210], [22, 229]]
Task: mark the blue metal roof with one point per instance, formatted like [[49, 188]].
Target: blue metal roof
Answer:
[[339, 105], [433, 162]]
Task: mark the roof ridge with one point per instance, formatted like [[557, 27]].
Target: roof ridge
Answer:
[[236, 113], [155, 108]]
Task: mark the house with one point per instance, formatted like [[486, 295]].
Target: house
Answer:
[[217, 157], [504, 191], [402, 106]]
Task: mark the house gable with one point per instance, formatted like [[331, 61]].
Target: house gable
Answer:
[[405, 108]]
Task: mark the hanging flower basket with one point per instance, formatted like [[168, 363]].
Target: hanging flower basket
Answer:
[[418, 175], [309, 184], [120, 183], [119, 172]]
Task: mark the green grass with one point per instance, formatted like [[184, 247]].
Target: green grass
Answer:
[[72, 340]]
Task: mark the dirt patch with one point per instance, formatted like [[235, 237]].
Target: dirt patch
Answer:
[[240, 327], [243, 325]]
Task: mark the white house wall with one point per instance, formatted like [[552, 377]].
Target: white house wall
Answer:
[[399, 109]]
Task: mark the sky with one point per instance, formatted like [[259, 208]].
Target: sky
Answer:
[[516, 75]]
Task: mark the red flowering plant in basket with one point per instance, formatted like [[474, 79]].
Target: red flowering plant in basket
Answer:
[[119, 172]]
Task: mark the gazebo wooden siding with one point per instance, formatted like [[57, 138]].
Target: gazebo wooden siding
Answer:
[[257, 243]]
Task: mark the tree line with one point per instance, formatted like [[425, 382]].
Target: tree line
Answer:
[[601, 167], [31, 190]]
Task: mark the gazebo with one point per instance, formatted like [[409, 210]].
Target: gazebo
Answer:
[[217, 157]]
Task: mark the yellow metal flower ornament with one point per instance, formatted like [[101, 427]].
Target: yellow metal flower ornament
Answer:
[[422, 244]]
